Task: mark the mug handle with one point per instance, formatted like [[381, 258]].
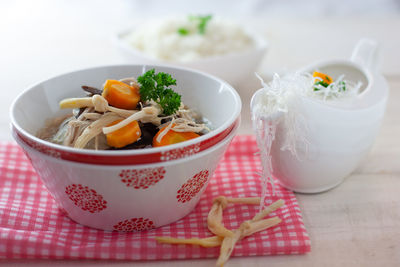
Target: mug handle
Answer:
[[367, 54]]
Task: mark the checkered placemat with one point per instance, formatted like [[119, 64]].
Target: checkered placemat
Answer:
[[31, 225]]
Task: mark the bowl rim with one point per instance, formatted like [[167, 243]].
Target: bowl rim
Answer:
[[224, 127], [24, 145], [122, 160]]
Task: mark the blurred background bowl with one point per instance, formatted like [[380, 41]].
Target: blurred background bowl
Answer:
[[235, 67]]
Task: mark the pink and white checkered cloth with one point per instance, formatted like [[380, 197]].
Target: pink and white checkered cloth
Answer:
[[31, 225]]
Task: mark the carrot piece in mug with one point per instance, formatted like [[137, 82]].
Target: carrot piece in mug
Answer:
[[172, 137], [325, 78], [124, 136], [121, 95]]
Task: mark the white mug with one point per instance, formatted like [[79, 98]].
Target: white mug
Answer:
[[339, 137]]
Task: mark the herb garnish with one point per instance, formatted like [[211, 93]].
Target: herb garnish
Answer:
[[328, 79], [322, 83], [342, 86], [154, 86], [201, 24], [183, 31]]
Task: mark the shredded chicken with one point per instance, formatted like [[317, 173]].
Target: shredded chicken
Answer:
[[98, 102], [165, 130], [95, 128], [79, 127], [185, 121], [122, 112], [50, 131], [147, 114], [130, 81], [186, 113], [75, 127], [185, 125], [92, 116]]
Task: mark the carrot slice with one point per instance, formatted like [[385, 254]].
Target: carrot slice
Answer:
[[172, 137], [325, 78], [121, 95], [124, 136]]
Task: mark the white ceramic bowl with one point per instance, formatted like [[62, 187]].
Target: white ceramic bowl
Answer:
[[132, 189], [235, 68]]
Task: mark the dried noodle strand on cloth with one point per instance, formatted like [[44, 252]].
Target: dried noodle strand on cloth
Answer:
[[244, 200], [224, 237], [208, 242], [245, 229], [248, 228], [267, 210], [214, 219]]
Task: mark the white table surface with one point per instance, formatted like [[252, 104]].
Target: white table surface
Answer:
[[355, 224]]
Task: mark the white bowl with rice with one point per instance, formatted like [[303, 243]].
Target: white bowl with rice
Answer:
[[224, 49]]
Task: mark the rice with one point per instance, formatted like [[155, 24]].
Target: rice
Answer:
[[161, 39]]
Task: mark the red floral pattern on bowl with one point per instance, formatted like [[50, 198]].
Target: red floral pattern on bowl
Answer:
[[134, 225], [142, 178], [86, 198], [193, 186], [180, 152]]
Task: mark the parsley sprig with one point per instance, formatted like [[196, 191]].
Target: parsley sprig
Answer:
[[154, 86]]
